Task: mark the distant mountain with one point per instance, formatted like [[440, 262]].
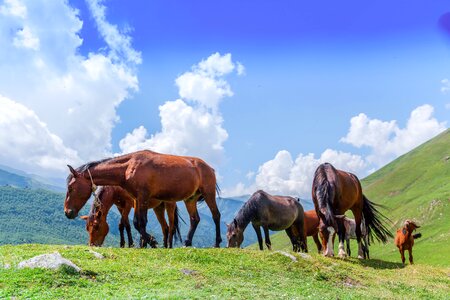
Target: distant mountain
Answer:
[[20, 179]]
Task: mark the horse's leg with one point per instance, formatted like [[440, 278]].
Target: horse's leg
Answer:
[[126, 223], [290, 234], [358, 215], [121, 228], [366, 246], [191, 206], [341, 236], [347, 241], [410, 256], [402, 254], [170, 209], [267, 237], [140, 219], [159, 212], [318, 244], [210, 199], [258, 234]]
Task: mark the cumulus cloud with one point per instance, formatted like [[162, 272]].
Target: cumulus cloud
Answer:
[[41, 69], [191, 125], [387, 140], [30, 142]]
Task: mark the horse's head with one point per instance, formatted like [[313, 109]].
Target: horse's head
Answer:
[[235, 235], [411, 225], [79, 190], [97, 227]]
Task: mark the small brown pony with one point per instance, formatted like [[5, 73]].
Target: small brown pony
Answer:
[[148, 176], [404, 240], [334, 192], [107, 196], [271, 212], [312, 227]]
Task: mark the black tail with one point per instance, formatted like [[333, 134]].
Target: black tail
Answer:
[[417, 235], [177, 225], [218, 191], [374, 221]]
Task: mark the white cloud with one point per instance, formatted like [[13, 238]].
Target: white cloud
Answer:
[[195, 129], [387, 140], [204, 85], [42, 69], [30, 144], [445, 85], [285, 176]]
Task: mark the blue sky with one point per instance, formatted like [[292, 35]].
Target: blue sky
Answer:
[[310, 67]]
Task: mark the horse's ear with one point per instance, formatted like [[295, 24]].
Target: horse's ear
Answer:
[[84, 217], [228, 225], [73, 171]]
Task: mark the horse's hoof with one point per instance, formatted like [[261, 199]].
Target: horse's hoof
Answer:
[[361, 257]]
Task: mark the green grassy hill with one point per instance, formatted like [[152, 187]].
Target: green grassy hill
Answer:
[[414, 186], [213, 273]]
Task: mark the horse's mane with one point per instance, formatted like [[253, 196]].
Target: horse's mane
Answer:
[[247, 212], [83, 168], [324, 191]]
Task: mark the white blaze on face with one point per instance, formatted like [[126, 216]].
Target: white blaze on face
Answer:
[[330, 241]]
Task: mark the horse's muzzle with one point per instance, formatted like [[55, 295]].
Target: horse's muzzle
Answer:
[[70, 214]]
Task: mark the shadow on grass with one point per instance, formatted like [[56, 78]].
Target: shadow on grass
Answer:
[[380, 264]]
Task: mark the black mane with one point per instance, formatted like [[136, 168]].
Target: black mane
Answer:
[[83, 168], [248, 211], [324, 191]]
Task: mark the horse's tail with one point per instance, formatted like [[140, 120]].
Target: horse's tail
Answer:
[[177, 224], [417, 235], [218, 191], [328, 193], [374, 221]]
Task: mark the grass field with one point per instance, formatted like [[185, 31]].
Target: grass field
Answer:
[[213, 273]]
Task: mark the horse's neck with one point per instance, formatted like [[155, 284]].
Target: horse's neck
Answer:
[[107, 201], [108, 173], [245, 216]]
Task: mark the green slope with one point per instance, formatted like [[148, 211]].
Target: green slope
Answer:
[[414, 186], [189, 273]]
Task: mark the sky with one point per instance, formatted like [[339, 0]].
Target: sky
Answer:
[[264, 91]]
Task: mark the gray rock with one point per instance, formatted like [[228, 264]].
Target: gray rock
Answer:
[[48, 261], [96, 254]]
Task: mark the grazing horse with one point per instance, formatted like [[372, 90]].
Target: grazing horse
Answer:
[[404, 240], [98, 228], [312, 227], [148, 176], [270, 212], [334, 192], [350, 233]]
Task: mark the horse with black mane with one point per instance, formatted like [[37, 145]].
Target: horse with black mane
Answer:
[[271, 213], [334, 192], [107, 196], [148, 176]]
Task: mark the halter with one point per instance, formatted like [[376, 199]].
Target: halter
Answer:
[[97, 202]]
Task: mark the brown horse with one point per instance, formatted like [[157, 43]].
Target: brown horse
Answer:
[[404, 240], [271, 212], [98, 228], [148, 176], [312, 227], [334, 192]]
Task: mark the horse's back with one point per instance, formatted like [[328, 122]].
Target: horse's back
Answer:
[[279, 212]]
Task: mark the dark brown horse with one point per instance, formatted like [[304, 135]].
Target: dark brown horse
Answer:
[[148, 176], [272, 213], [334, 192], [404, 239], [312, 227], [97, 226]]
